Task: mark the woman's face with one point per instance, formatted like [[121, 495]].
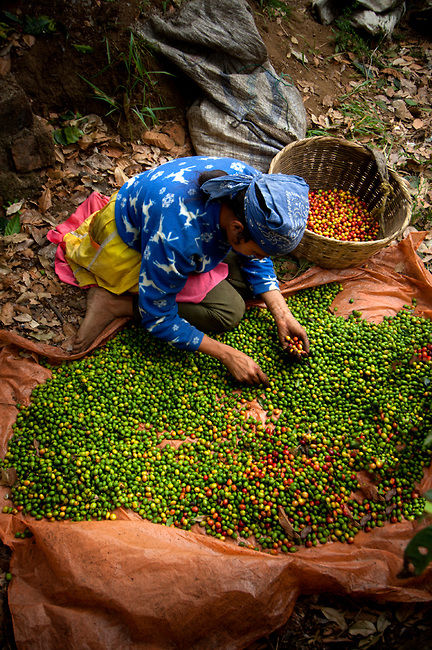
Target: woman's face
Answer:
[[234, 232], [249, 248]]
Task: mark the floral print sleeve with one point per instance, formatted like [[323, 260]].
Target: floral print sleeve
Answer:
[[162, 214], [161, 278], [260, 274]]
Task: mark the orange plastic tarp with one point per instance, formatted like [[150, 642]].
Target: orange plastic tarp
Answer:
[[132, 584]]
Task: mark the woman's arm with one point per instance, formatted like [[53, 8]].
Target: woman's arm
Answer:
[[286, 324], [242, 367]]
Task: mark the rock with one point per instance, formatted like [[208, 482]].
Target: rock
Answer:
[[13, 186], [375, 16], [15, 110], [326, 10], [4, 160], [176, 132], [34, 148], [380, 6], [377, 24], [401, 110], [157, 139], [26, 143], [420, 18]]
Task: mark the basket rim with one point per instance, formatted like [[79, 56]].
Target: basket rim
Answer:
[[320, 138], [359, 147]]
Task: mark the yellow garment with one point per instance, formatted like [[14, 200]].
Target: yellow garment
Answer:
[[97, 254]]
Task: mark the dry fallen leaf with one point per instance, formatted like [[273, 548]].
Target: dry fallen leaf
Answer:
[[45, 262], [6, 313], [418, 124], [8, 476], [286, 524], [363, 628], [23, 318], [120, 177], [15, 207], [42, 336], [69, 330], [45, 201], [335, 616], [305, 532], [38, 235], [31, 217]]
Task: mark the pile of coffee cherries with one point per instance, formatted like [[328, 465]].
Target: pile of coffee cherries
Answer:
[[425, 353], [170, 435], [295, 346], [340, 215]]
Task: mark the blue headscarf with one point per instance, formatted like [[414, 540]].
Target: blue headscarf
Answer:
[[279, 228]]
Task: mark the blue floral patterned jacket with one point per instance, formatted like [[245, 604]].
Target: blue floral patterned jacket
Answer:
[[163, 214]]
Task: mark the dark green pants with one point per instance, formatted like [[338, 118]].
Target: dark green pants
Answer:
[[224, 306]]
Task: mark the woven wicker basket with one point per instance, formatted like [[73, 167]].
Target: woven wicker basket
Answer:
[[333, 163]]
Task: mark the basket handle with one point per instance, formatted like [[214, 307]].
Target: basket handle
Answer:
[[385, 187]]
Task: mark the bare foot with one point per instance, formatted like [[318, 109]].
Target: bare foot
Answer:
[[102, 308]]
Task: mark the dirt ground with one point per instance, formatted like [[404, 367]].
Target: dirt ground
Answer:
[[376, 95]]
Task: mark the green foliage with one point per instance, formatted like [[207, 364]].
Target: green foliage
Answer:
[[310, 133], [346, 37], [131, 97], [274, 8], [10, 225], [67, 135], [35, 25], [418, 553], [5, 30], [83, 49], [365, 119]]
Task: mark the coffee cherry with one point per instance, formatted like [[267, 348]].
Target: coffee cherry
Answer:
[[295, 346], [340, 215], [171, 436]]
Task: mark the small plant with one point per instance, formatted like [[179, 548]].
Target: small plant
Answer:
[[71, 131], [365, 119], [418, 553], [311, 133], [275, 8], [131, 96], [5, 30], [11, 224], [34, 25]]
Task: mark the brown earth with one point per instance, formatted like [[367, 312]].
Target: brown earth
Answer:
[[333, 85]]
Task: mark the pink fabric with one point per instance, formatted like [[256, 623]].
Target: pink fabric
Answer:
[[92, 204], [197, 285]]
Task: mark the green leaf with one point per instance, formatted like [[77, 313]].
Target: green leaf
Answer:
[[84, 49], [11, 16], [67, 135], [410, 102], [382, 623], [428, 440], [428, 495], [363, 628], [38, 25], [13, 226], [419, 550], [335, 616]]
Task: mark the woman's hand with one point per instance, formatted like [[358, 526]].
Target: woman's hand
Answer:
[[242, 367], [291, 327], [286, 324]]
